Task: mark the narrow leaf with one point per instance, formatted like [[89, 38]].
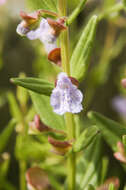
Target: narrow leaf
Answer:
[[90, 187], [4, 136], [124, 3], [80, 59], [29, 149], [14, 107], [4, 166], [111, 187], [44, 109], [34, 84], [76, 12], [85, 138], [89, 165], [111, 130]]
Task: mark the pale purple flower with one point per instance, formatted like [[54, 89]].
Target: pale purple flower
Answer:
[[66, 97], [21, 30], [43, 33], [119, 104]]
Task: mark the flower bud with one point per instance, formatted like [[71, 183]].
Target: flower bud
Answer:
[[59, 147], [37, 179]]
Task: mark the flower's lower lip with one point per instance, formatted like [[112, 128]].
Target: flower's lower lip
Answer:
[[66, 97]]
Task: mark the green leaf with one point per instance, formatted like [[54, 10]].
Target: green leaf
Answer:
[[80, 58], [90, 187], [44, 109], [111, 130], [14, 107], [105, 162], [29, 149], [34, 84], [54, 182], [22, 94], [85, 138], [76, 12], [111, 187], [4, 166], [42, 4], [124, 3], [124, 141], [4, 136], [89, 165], [8, 186]]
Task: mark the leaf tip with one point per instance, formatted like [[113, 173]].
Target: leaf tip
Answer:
[[90, 114], [12, 80]]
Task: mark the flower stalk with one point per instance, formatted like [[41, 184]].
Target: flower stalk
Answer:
[[69, 117]]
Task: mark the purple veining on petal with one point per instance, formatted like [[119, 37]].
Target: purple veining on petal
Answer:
[[66, 97], [43, 33]]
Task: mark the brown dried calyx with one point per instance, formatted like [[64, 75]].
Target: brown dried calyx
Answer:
[[32, 18], [37, 179], [37, 126], [55, 56], [57, 26], [73, 80], [59, 147], [29, 19]]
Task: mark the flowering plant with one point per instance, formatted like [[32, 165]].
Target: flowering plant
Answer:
[[58, 146]]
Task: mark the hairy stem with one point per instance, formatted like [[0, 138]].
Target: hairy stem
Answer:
[[69, 118]]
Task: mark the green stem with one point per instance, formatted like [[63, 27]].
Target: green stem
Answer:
[[71, 178], [22, 166], [69, 118], [64, 39]]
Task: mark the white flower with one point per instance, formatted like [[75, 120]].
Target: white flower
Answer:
[[43, 33], [66, 97], [21, 30]]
